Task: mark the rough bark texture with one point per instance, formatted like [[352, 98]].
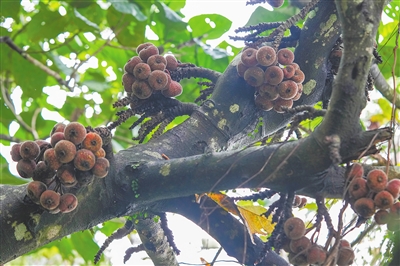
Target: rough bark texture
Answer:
[[204, 154]]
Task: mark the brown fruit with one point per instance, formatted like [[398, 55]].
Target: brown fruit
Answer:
[[174, 89], [50, 199], [29, 150], [143, 45], [158, 80], [15, 152], [66, 175], [92, 142], [298, 259], [75, 132], [43, 173], [358, 188], [172, 63], [254, 76], [299, 92], [298, 245], [59, 127], [130, 65], [275, 3], [266, 56], [393, 186], [127, 81], [34, 190], [287, 89], [142, 71], [296, 201], [51, 160], [65, 151], [263, 103], [298, 76], [248, 57], [381, 217], [364, 207], [316, 255], [148, 51], [294, 228], [157, 62], [84, 177], [84, 160], [288, 71], [303, 202], [344, 243], [269, 92], [68, 203], [355, 171], [274, 75], [100, 168], [383, 200], [279, 103], [26, 167], [377, 180], [241, 68], [56, 137], [285, 56], [345, 256], [141, 89], [100, 153]]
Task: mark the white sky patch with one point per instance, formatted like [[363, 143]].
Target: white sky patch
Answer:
[[56, 96]]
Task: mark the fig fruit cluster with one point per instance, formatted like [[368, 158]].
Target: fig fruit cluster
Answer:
[[375, 196], [149, 72], [302, 251], [72, 157], [276, 78]]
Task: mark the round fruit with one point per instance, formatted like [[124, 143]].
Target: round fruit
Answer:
[[267, 91], [100, 153], [75, 132], [56, 137], [84, 160], [92, 142], [316, 255], [345, 256], [15, 152], [298, 245], [294, 228], [263, 103], [141, 89], [356, 171], [26, 167], [248, 57], [274, 75], [395, 210], [34, 190], [241, 68], [377, 180], [287, 89], [158, 80], [130, 65], [59, 127], [148, 51], [66, 175], [358, 188], [393, 186], [100, 168], [344, 243], [142, 46], [381, 217], [157, 62], [383, 200], [174, 89], [364, 207], [172, 64], [288, 71], [285, 56], [84, 177], [254, 76], [127, 81], [279, 103], [65, 151], [142, 71], [50, 199], [266, 56], [298, 76], [275, 3], [51, 160], [68, 203], [29, 150], [43, 173]]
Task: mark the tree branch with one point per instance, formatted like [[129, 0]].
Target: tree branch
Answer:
[[383, 87], [35, 62]]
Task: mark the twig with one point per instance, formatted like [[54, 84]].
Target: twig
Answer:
[[383, 87], [9, 138], [56, 46], [19, 119], [12, 45]]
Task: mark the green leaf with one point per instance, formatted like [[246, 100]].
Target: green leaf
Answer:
[[84, 244], [168, 12], [83, 23], [209, 26], [175, 5], [80, 3], [6, 177], [10, 9], [264, 15], [126, 7], [392, 10], [110, 227], [215, 53]]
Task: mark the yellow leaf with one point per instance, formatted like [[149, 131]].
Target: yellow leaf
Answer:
[[255, 221], [205, 262], [225, 202]]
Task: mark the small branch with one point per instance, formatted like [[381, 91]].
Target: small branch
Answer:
[[382, 86], [195, 72], [19, 119], [35, 62], [9, 138]]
